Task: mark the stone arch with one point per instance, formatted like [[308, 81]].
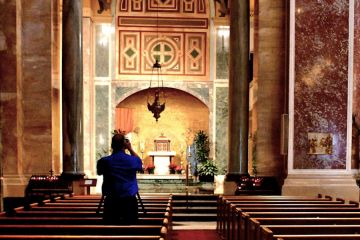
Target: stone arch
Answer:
[[134, 90]]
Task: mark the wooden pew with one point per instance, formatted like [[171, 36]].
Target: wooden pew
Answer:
[[233, 224], [270, 232], [244, 217], [111, 230], [77, 225], [229, 225], [254, 224], [224, 201], [76, 237], [73, 220], [320, 237]]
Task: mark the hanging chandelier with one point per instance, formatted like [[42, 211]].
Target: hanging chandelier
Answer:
[[158, 103]]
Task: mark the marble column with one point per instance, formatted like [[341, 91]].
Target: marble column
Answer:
[[238, 89], [72, 85]]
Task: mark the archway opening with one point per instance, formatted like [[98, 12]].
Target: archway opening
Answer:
[[183, 116]]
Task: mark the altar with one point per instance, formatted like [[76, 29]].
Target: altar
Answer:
[[162, 160], [162, 155]]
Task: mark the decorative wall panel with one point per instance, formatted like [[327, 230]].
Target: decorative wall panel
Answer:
[[137, 5], [195, 46], [165, 47], [163, 5], [130, 52], [173, 31], [321, 80]]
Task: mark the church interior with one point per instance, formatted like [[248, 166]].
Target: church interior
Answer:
[[259, 95]]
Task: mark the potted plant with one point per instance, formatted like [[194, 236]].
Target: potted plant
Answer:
[[207, 171], [150, 168], [178, 169], [172, 168], [202, 147]]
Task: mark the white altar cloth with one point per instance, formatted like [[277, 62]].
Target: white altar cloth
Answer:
[[162, 161]]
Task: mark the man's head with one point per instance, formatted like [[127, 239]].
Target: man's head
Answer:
[[118, 142]]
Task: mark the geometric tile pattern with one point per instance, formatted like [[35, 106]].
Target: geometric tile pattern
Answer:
[[195, 46], [175, 32], [139, 50], [165, 47], [129, 60], [174, 6]]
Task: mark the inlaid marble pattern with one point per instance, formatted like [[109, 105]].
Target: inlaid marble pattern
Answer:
[[221, 135], [175, 32], [320, 94], [178, 6]]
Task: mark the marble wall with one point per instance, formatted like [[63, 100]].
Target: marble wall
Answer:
[[221, 129], [321, 80], [26, 91], [356, 88], [102, 130], [8, 86]]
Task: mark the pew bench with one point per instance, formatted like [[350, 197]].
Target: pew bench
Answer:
[[237, 225], [73, 221], [270, 232], [254, 224], [225, 201], [320, 237], [77, 237], [111, 230]]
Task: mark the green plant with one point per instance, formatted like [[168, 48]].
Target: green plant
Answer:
[[207, 168], [202, 147]]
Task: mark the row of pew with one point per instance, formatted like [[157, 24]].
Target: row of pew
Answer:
[[287, 218], [78, 217]]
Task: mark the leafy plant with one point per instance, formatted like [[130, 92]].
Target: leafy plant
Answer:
[[207, 168], [202, 147]]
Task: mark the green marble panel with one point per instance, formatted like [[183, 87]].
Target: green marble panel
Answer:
[[222, 57], [102, 131], [121, 91], [203, 92], [221, 131], [102, 61]]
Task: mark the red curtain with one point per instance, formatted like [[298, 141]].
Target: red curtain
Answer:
[[124, 119]]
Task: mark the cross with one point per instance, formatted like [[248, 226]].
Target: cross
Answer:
[[51, 172]]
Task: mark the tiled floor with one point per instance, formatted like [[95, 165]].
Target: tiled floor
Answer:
[[194, 225]]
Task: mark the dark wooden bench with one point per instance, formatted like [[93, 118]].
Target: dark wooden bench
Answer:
[[270, 232], [233, 225], [111, 230], [254, 224], [225, 201], [320, 237], [45, 220], [81, 237], [244, 218], [73, 220]]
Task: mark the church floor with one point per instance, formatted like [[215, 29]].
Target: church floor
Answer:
[[194, 234]]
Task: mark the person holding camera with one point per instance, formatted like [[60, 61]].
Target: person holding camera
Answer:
[[119, 183]]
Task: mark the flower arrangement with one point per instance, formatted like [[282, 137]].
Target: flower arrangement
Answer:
[[178, 169], [150, 168], [172, 168]]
